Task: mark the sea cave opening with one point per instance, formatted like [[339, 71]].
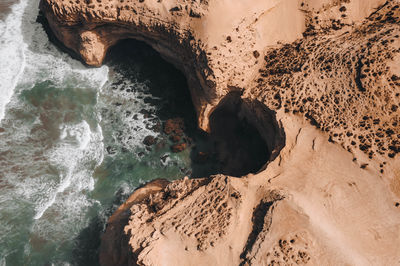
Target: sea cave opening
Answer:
[[244, 134]]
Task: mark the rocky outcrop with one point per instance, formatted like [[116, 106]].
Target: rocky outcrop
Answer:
[[201, 212], [345, 81], [320, 80], [115, 249]]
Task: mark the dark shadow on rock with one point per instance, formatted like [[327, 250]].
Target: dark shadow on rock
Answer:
[[259, 224], [245, 135], [52, 37], [240, 147], [165, 82]]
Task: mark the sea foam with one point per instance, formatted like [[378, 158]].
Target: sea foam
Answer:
[[54, 175], [77, 153], [12, 57]]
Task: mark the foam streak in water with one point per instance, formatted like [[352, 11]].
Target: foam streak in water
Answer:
[[78, 146], [51, 144], [12, 57]]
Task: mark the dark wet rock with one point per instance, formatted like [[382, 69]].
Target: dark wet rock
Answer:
[[146, 113], [141, 154], [149, 140], [160, 145], [178, 147], [188, 140], [157, 127], [175, 138], [116, 83], [164, 158], [183, 170], [111, 150], [179, 132], [175, 125]]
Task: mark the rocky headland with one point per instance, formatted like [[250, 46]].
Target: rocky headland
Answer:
[[319, 80]]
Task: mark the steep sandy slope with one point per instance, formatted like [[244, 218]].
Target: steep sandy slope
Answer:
[[321, 82]]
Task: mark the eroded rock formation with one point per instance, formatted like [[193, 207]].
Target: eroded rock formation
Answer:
[[328, 72]]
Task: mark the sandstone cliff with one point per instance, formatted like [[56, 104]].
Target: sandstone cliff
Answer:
[[321, 82]]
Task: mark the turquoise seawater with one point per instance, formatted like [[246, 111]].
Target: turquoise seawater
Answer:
[[71, 140]]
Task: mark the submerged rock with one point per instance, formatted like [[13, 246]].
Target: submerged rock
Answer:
[[174, 126], [111, 150], [178, 147], [149, 140], [164, 158], [175, 138]]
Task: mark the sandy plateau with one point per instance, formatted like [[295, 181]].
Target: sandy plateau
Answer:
[[320, 80]]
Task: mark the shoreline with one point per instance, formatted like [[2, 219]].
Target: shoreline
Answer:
[[308, 202]]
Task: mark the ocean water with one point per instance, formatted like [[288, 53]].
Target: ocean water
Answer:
[[71, 140]]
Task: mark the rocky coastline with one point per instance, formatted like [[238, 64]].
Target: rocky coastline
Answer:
[[320, 82]]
